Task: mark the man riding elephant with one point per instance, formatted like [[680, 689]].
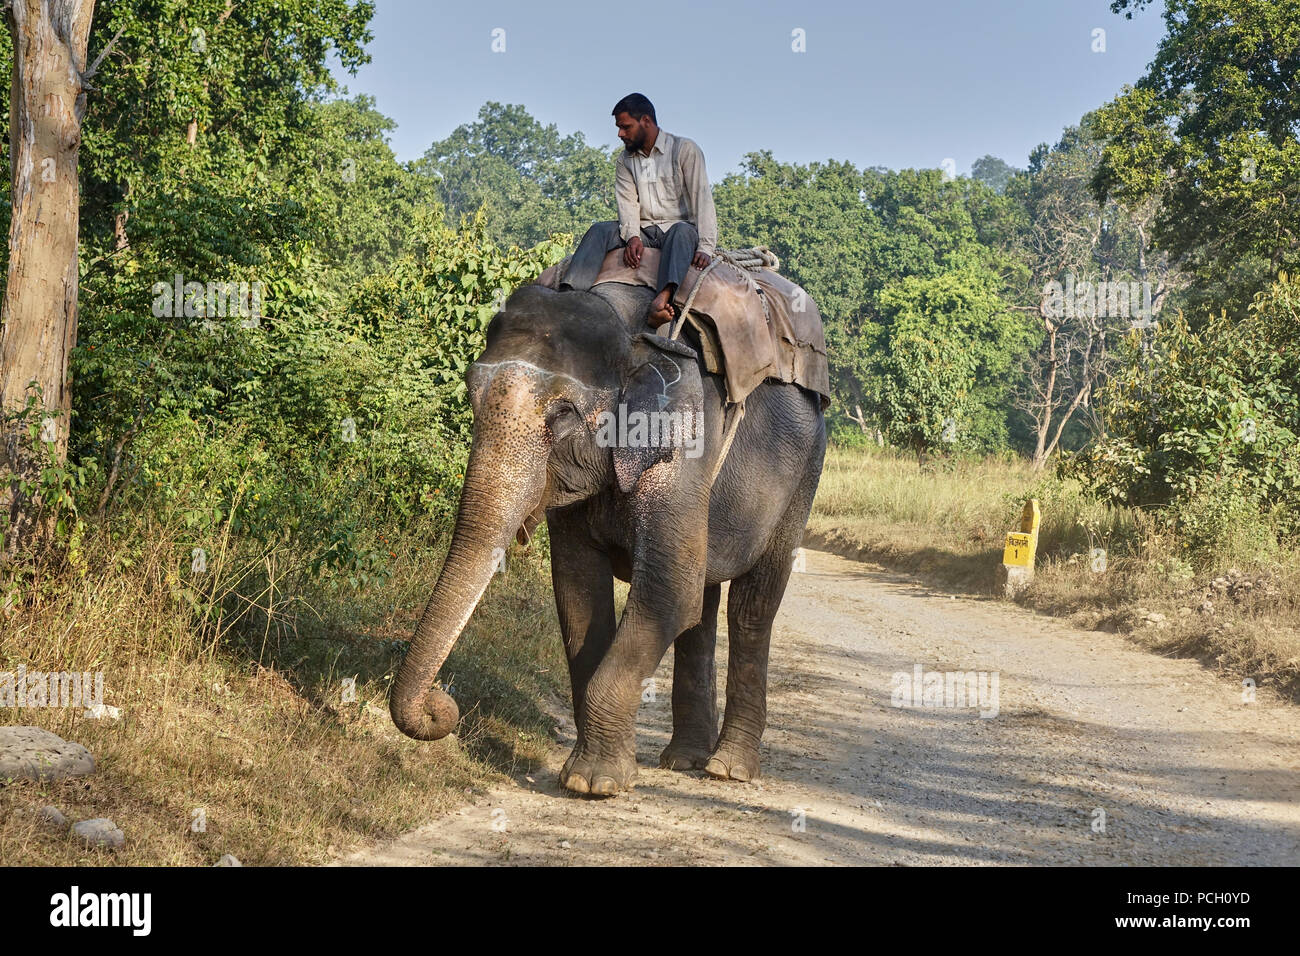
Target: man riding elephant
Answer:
[[664, 202]]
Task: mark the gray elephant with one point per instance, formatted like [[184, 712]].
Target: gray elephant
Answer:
[[560, 366]]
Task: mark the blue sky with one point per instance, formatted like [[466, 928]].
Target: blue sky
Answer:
[[906, 83]]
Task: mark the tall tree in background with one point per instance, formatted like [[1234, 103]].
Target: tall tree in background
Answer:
[[373, 201], [993, 172], [532, 181], [1213, 131], [1071, 239], [881, 252], [48, 101]]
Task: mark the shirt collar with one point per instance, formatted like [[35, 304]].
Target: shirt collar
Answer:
[[660, 146]]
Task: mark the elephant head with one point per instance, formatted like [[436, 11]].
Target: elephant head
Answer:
[[556, 367]]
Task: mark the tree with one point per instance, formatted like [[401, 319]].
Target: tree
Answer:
[[1211, 132], [992, 172], [48, 101], [197, 158], [373, 200], [532, 181], [1102, 270], [854, 237], [924, 395], [1208, 428], [958, 313]]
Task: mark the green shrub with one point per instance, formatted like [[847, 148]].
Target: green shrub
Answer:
[[1205, 426]]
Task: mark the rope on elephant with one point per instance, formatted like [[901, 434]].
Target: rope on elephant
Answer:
[[743, 261], [752, 258], [735, 412], [680, 321]]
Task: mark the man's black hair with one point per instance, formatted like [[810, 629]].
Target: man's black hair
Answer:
[[636, 105]]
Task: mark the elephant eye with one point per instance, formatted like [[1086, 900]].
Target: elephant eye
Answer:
[[562, 419]]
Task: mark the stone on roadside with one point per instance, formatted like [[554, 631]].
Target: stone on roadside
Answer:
[[53, 817], [227, 859], [1012, 580], [100, 831], [38, 754]]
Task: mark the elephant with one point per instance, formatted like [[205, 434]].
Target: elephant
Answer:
[[557, 365]]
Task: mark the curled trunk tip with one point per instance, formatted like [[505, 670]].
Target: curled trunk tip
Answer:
[[429, 718]]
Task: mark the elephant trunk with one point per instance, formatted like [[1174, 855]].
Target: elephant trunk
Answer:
[[503, 484]]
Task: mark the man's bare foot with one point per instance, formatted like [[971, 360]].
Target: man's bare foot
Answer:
[[661, 309]]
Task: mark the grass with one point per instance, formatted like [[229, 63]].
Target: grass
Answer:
[[235, 736], [1237, 608], [239, 740]]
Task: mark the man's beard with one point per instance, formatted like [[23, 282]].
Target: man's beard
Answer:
[[637, 143]]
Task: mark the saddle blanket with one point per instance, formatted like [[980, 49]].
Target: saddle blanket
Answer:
[[741, 340]]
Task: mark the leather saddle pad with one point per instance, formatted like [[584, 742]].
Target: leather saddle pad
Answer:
[[741, 340]]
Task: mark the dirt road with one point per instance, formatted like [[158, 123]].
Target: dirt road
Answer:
[[1089, 730]]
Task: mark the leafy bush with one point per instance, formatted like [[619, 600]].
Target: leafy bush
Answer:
[[1205, 426], [924, 392]]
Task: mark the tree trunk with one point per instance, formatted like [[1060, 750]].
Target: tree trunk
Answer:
[[1043, 421], [47, 103]]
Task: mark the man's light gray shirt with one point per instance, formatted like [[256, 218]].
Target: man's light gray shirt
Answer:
[[650, 191]]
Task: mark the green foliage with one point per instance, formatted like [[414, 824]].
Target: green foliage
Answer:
[[872, 247], [993, 172], [337, 409], [532, 181], [1209, 423], [392, 360], [372, 201], [971, 347], [924, 392], [1212, 131]]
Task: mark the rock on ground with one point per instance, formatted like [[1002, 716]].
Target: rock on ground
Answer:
[[100, 831], [53, 817], [38, 754]]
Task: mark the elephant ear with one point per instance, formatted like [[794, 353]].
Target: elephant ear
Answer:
[[665, 379]]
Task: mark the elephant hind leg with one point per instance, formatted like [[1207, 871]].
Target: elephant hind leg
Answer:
[[752, 602], [695, 691]]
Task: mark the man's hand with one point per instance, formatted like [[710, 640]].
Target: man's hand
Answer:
[[701, 260], [632, 253]]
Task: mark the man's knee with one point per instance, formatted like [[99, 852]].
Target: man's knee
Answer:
[[683, 232], [604, 232]]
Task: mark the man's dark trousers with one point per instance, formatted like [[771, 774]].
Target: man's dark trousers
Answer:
[[677, 247]]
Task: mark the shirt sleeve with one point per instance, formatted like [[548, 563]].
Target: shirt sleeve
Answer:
[[629, 204], [699, 195]]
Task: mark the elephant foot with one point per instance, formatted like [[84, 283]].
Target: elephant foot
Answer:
[[684, 755], [732, 762], [598, 775]]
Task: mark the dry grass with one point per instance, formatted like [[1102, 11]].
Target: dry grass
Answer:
[[947, 519], [249, 726]]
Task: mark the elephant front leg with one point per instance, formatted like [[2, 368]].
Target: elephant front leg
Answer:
[[604, 760], [695, 691], [584, 600]]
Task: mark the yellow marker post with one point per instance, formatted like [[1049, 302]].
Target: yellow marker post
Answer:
[[1019, 551]]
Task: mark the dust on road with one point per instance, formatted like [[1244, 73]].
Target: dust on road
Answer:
[[1184, 771]]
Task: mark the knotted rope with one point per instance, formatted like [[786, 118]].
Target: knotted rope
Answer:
[[752, 258]]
